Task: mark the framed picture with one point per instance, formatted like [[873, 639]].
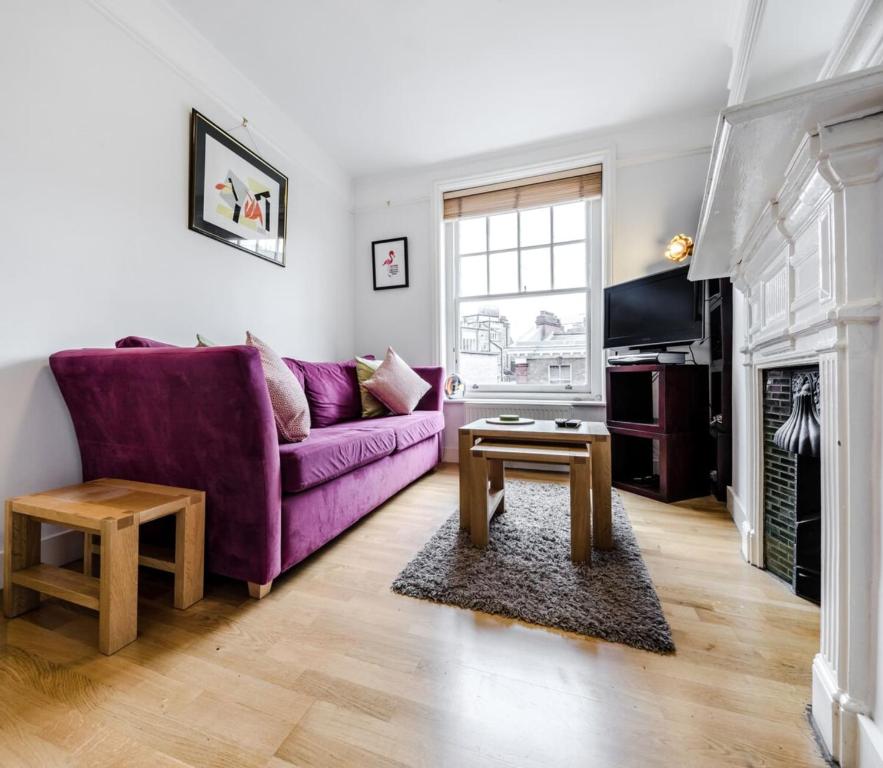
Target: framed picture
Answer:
[[390, 259], [235, 196]]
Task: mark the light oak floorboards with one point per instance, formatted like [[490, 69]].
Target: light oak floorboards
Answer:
[[332, 669]]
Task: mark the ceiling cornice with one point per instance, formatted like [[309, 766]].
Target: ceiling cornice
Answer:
[[746, 37], [860, 43]]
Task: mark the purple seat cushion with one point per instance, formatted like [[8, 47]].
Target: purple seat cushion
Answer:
[[332, 391], [330, 452], [139, 341], [409, 429]]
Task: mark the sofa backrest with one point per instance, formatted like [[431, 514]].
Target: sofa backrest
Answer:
[[332, 389]]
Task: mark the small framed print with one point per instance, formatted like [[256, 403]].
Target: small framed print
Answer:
[[390, 263], [235, 196]]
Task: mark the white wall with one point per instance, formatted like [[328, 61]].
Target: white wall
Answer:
[[94, 146], [659, 181]]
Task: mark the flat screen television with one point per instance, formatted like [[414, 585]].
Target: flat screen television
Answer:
[[659, 310]]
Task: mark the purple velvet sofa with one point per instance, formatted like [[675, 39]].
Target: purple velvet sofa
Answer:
[[201, 418]]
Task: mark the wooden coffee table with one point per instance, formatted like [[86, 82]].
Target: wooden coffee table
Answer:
[[586, 450], [111, 510]]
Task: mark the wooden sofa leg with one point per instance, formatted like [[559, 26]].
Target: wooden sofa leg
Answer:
[[259, 591]]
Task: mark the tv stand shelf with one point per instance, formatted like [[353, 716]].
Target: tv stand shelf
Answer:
[[658, 421]]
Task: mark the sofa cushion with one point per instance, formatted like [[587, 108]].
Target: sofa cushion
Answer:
[[409, 429], [332, 391], [139, 341], [290, 407], [330, 452], [371, 406], [396, 384]]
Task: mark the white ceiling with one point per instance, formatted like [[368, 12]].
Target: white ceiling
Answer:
[[390, 84]]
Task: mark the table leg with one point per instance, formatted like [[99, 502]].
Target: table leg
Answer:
[[480, 517], [497, 481], [87, 554], [118, 596], [580, 519], [189, 554], [465, 447], [602, 524], [22, 547]]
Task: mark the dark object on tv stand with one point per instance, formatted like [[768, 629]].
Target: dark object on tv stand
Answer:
[[679, 429], [663, 357], [720, 336]]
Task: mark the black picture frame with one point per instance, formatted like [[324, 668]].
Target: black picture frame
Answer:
[[388, 281], [259, 211]]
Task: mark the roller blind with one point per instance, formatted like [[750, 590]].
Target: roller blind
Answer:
[[530, 192]]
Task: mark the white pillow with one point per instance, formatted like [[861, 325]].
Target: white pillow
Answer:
[[395, 384]]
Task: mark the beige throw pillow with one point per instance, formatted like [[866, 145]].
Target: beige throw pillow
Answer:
[[371, 406], [290, 407], [395, 384]]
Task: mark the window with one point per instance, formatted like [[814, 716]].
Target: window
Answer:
[[560, 373], [521, 297]]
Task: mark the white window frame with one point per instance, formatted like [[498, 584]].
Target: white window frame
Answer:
[[598, 254], [592, 206]]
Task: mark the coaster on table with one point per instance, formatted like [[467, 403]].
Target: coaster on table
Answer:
[[508, 420]]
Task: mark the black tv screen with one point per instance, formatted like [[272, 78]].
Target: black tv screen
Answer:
[[654, 311]]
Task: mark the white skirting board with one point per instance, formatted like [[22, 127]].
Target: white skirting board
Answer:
[[870, 743], [57, 548], [740, 518], [825, 705]]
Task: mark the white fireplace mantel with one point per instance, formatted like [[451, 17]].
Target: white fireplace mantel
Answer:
[[750, 157], [807, 262]]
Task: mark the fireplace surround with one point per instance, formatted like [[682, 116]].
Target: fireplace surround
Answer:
[[805, 253]]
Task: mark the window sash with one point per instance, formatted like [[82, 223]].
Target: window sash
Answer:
[[519, 249], [513, 388]]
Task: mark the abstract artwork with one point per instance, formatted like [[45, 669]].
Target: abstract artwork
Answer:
[[390, 261], [235, 196]]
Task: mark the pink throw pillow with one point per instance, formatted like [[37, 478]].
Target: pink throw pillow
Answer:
[[395, 384], [290, 407]]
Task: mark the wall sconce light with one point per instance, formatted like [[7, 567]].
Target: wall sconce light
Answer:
[[679, 248]]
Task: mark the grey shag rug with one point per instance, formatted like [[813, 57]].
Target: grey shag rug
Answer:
[[526, 572]]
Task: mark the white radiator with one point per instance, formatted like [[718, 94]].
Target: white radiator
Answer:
[[539, 411]]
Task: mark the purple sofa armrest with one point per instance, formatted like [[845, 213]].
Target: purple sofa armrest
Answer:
[[198, 418], [434, 376]]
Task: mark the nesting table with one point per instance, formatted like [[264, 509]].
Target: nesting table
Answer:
[[483, 449], [111, 511]]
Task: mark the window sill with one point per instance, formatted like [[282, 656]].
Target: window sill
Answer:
[[524, 400]]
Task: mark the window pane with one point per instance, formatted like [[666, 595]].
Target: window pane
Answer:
[[570, 265], [536, 270], [504, 272], [473, 275], [504, 231], [535, 227], [518, 341], [570, 221], [472, 235]]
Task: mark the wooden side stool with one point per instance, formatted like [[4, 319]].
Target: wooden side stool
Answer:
[[488, 487], [112, 510]]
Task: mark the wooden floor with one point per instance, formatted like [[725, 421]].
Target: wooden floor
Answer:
[[332, 669]]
